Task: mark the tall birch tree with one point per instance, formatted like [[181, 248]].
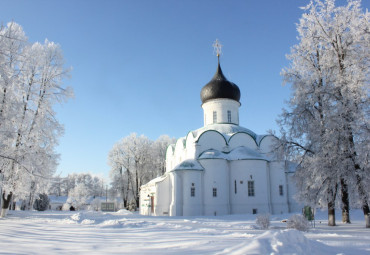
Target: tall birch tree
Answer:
[[327, 124], [31, 78]]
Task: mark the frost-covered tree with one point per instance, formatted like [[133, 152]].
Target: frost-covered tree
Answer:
[[159, 149], [134, 161], [60, 186], [30, 85], [327, 126], [78, 196], [120, 161], [131, 155]]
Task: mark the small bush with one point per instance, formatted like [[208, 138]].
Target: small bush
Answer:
[[298, 222], [41, 203], [263, 220]]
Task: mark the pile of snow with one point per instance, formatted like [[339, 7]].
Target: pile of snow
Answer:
[[280, 242], [123, 212]]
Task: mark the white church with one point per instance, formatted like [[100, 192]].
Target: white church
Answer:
[[222, 167]]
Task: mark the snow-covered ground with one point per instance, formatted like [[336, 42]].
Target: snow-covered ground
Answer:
[[122, 232]]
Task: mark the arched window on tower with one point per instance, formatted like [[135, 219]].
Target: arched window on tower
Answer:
[[214, 117], [229, 116]]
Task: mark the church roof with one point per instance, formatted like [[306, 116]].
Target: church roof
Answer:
[[240, 153], [219, 87], [155, 180], [188, 164]]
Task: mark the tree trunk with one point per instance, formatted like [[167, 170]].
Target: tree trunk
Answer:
[[365, 209], [331, 207], [345, 202], [331, 214], [365, 205], [122, 189], [137, 185]]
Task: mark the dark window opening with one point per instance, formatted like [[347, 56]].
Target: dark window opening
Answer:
[[192, 192], [251, 188], [281, 190], [214, 191]]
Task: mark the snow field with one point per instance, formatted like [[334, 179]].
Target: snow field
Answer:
[[122, 232]]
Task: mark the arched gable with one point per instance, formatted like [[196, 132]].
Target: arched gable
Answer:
[[190, 145], [180, 149], [211, 139], [189, 142], [266, 143], [242, 139], [170, 156], [170, 151], [180, 144]]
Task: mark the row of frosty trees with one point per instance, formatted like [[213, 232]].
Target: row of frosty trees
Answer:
[[134, 161], [31, 77], [326, 127]]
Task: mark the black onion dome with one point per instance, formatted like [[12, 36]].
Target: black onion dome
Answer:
[[220, 87]]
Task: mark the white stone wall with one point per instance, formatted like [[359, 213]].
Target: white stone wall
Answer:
[[163, 197], [292, 190], [242, 172], [278, 177], [145, 201], [176, 194], [192, 205], [221, 106], [216, 175]]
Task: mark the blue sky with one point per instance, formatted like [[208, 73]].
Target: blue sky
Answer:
[[139, 66]]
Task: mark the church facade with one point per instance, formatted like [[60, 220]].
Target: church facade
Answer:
[[222, 167]]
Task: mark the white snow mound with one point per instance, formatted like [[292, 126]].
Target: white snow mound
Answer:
[[76, 216], [287, 242], [123, 212]]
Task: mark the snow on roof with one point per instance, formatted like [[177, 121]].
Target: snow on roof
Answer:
[[239, 153], [155, 180], [212, 154], [58, 199], [188, 164], [245, 153]]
